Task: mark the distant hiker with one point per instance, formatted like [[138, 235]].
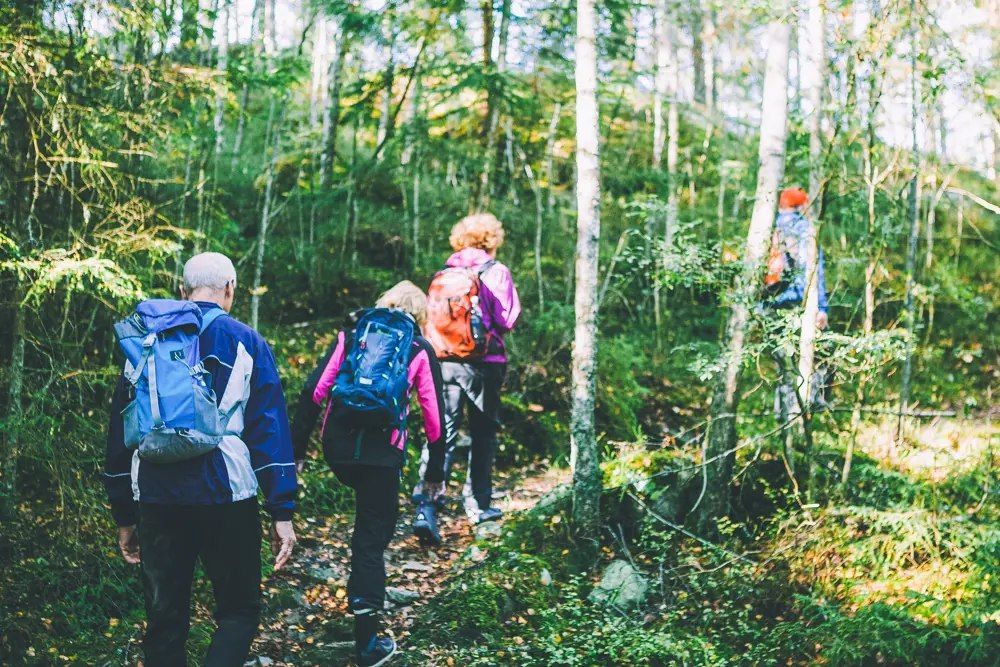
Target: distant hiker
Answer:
[[472, 303], [785, 284], [364, 388], [198, 424]]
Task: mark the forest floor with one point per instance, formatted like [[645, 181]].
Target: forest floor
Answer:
[[306, 622]]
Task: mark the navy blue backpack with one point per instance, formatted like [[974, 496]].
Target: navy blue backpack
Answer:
[[371, 388], [173, 415]]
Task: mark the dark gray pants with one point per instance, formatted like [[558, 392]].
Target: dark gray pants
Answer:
[[473, 390], [227, 540]]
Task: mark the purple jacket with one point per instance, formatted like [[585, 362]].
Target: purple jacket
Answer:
[[500, 303]]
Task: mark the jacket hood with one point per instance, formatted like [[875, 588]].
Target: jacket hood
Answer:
[[468, 258]]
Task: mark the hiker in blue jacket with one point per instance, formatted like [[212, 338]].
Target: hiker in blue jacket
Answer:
[[786, 281], [170, 514]]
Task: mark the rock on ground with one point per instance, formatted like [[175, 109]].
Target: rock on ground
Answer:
[[621, 584]]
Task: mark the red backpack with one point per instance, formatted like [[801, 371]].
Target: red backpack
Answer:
[[454, 318]]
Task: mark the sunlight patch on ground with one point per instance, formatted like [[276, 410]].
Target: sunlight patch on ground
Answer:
[[934, 450]]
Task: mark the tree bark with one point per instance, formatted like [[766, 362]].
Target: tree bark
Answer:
[[721, 443], [698, 51], [331, 113], [265, 216], [911, 248], [10, 439], [584, 456], [660, 78], [222, 87], [492, 124]]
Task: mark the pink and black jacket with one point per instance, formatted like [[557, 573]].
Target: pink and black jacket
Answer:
[[377, 447]]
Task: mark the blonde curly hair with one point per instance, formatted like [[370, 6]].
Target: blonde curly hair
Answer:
[[407, 297], [479, 230]]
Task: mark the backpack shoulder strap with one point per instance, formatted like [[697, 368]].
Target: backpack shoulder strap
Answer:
[[211, 316], [485, 267]]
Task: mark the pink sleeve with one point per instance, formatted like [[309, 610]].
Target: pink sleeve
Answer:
[[322, 390], [422, 378], [507, 306]]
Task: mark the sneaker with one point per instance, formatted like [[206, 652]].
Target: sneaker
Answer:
[[490, 514], [425, 524], [379, 651]]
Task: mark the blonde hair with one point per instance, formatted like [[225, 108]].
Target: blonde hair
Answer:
[[407, 297], [479, 230]]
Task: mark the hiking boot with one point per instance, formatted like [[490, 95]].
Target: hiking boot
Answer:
[[425, 525], [378, 652], [490, 514]]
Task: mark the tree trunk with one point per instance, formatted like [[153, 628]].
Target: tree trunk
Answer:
[[540, 204], [661, 78], [331, 113], [492, 124], [708, 50], [10, 438], [319, 71], [265, 216], [698, 51], [721, 443], [222, 87], [241, 121], [807, 335], [584, 456], [911, 248], [385, 120]]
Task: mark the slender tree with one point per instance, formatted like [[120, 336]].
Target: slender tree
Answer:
[[911, 247], [816, 28], [721, 443], [584, 452]]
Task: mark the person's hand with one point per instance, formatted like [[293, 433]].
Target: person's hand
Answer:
[[282, 542], [300, 465], [128, 544], [433, 490], [821, 320]]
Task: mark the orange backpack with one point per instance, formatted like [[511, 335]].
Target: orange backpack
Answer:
[[777, 262], [454, 319]]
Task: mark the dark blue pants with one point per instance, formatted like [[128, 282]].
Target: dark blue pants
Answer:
[[227, 540]]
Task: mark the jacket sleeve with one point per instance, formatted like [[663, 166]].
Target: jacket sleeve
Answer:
[[307, 412], [326, 379], [821, 277], [506, 304], [268, 437], [118, 461], [426, 373]]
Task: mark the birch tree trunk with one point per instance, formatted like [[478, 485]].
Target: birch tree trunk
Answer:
[[265, 216], [319, 71], [721, 436], [584, 455], [331, 112], [222, 87], [241, 121], [492, 103], [807, 336], [911, 248], [698, 50], [660, 78], [541, 205]]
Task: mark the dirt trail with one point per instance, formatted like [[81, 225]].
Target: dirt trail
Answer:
[[306, 621]]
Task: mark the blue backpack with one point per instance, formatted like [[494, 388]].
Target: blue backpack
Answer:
[[174, 416], [371, 388]]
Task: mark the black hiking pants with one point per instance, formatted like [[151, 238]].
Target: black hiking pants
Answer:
[[474, 387], [376, 503], [227, 540]]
